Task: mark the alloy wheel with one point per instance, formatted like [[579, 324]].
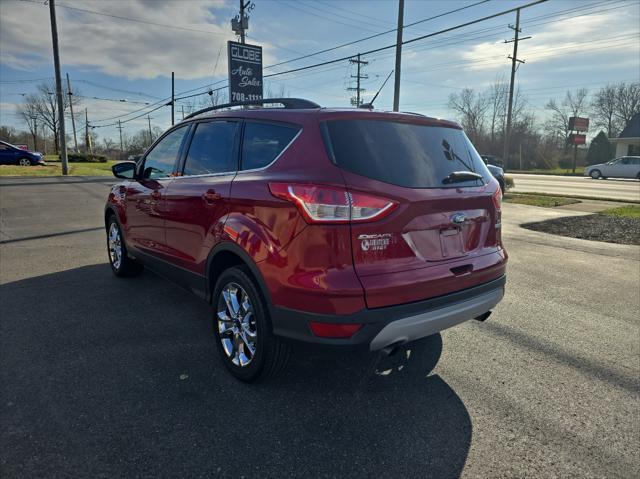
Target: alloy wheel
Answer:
[[24, 162], [237, 325], [115, 246]]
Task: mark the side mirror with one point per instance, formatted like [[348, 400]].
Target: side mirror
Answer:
[[125, 170]]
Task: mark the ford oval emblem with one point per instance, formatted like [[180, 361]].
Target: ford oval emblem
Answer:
[[458, 218]]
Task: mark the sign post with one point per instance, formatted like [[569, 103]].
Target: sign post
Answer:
[[245, 72], [579, 125]]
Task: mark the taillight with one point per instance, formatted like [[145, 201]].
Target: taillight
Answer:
[[329, 204], [497, 199], [497, 202]]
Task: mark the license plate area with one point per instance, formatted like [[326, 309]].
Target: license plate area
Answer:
[[451, 243]]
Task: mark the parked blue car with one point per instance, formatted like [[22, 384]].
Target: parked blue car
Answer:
[[12, 155]]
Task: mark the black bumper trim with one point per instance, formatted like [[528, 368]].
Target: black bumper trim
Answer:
[[294, 324]]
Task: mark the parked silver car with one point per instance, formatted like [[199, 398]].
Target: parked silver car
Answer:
[[623, 167]]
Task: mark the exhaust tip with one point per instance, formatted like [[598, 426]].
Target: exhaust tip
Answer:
[[392, 348], [483, 317]]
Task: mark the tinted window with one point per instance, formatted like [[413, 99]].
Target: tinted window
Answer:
[[160, 162], [263, 142], [403, 154], [211, 149]]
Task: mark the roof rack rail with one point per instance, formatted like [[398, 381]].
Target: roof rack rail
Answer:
[[288, 103]]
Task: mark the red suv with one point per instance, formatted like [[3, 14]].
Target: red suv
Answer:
[[342, 227]]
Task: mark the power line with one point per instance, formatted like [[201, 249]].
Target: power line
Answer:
[[361, 15], [374, 36], [120, 90], [26, 80], [288, 72], [136, 20], [298, 6], [468, 39], [123, 100], [413, 40], [147, 22], [119, 122]]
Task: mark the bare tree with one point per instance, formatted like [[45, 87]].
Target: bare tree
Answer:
[[28, 112], [603, 106], [45, 106], [497, 100], [108, 143], [471, 107], [627, 101], [279, 92], [573, 104], [218, 97]]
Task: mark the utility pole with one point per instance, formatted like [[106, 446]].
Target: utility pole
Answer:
[[121, 145], [173, 99], [182, 111], [56, 63], [396, 87], [87, 136], [358, 77], [150, 135], [242, 6], [240, 23], [514, 66], [34, 119], [73, 120]]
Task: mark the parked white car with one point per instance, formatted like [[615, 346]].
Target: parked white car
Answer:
[[623, 167]]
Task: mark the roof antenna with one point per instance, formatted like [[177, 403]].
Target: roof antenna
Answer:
[[370, 104]]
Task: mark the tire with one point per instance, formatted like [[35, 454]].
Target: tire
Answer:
[[121, 264], [24, 162], [595, 174], [242, 328]]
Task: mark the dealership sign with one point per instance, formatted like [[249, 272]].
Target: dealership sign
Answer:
[[577, 139], [245, 72], [577, 123]]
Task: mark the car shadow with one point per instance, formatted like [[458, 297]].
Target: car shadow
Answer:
[[105, 377]]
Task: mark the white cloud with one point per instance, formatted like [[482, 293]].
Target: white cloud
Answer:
[[118, 47], [560, 39]]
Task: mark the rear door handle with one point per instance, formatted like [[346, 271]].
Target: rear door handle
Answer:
[[210, 196], [155, 195]]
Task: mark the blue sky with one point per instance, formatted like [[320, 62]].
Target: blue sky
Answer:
[[126, 49]]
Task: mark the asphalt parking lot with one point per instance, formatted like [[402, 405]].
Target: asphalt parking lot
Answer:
[[104, 377]]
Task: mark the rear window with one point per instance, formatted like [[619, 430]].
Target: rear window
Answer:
[[263, 142], [403, 154]]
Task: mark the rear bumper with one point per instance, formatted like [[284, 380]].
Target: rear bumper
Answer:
[[395, 324]]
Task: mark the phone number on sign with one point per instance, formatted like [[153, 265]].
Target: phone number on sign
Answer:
[[242, 97]]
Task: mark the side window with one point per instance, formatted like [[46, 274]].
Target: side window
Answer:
[[3, 147], [160, 162], [627, 161], [263, 142], [211, 149]]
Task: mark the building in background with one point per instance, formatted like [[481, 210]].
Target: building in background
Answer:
[[628, 143]]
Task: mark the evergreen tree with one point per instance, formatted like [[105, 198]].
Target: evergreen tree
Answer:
[[600, 150]]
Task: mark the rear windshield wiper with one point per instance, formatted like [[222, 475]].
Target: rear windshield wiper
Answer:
[[460, 176]]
